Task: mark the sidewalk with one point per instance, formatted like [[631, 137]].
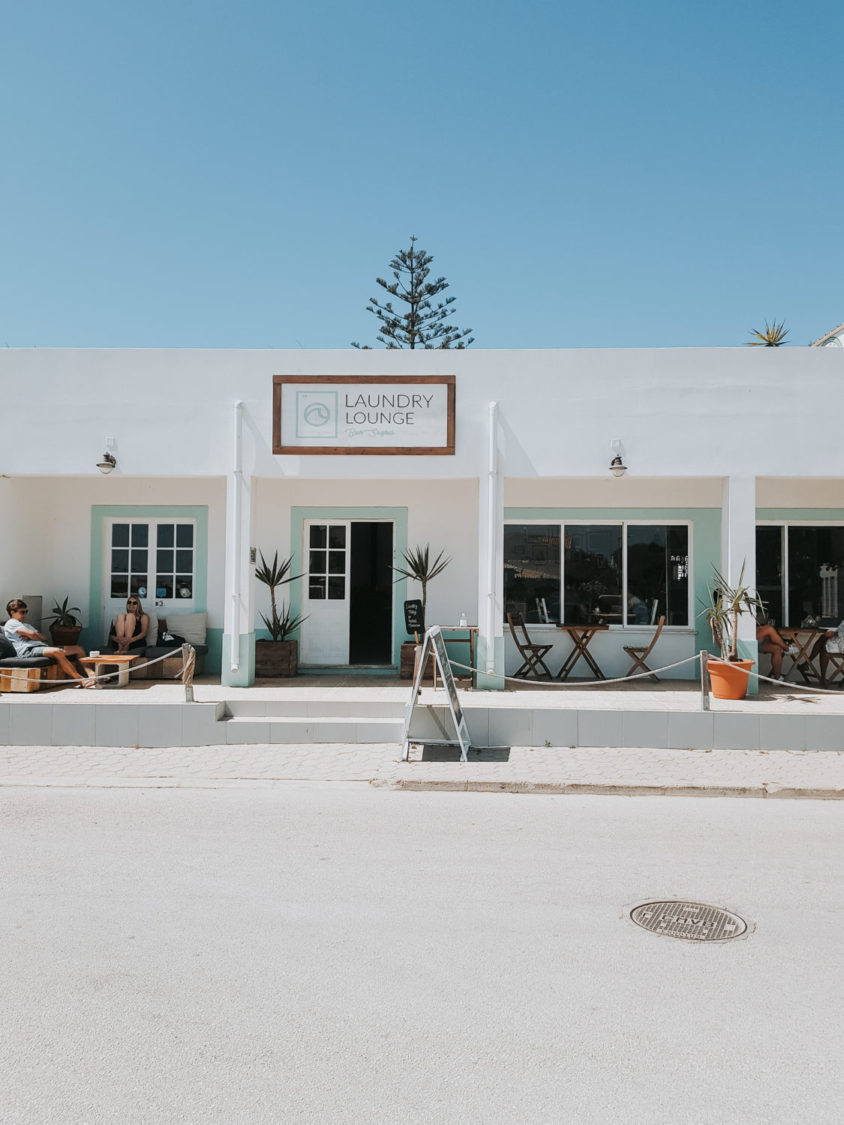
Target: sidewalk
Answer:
[[720, 773]]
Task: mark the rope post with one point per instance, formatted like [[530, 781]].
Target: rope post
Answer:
[[188, 666], [704, 680]]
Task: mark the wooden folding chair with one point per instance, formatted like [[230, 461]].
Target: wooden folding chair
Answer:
[[640, 653], [530, 652]]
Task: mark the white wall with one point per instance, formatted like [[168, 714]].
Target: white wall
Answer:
[[442, 514], [48, 551], [678, 412]]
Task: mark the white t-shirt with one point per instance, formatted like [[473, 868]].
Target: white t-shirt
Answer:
[[23, 645]]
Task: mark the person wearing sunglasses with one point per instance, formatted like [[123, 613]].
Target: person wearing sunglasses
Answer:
[[128, 630], [29, 642]]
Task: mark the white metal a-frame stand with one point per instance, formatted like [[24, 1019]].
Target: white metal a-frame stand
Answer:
[[435, 644]]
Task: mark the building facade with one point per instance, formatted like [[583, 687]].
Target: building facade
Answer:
[[501, 459]]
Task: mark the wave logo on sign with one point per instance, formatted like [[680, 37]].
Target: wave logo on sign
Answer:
[[316, 414]]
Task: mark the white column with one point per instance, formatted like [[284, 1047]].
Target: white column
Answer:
[[490, 656], [238, 666], [738, 549]]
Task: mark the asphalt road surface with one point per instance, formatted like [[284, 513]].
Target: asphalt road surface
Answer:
[[333, 953]]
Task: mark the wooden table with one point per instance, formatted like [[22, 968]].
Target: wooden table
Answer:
[[581, 635], [121, 661], [804, 637], [472, 630]]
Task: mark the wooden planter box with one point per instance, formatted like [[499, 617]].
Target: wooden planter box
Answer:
[[276, 658], [408, 660]]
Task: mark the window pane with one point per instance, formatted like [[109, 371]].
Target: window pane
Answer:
[[164, 586], [336, 537], [769, 572], [140, 535], [316, 588], [318, 535], [120, 535], [316, 562], [815, 574], [657, 575], [184, 560], [336, 589], [532, 571], [120, 560], [165, 535], [138, 585], [164, 560], [184, 535], [184, 585], [336, 562], [592, 566], [139, 560], [119, 586]]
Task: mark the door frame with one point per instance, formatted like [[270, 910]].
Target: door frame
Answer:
[[398, 517], [102, 512]]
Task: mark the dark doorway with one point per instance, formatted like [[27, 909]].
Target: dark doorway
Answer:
[[371, 594]]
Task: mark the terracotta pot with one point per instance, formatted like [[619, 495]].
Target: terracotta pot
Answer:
[[276, 658], [729, 678], [64, 636]]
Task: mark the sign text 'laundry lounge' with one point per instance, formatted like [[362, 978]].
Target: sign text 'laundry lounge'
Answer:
[[363, 414]]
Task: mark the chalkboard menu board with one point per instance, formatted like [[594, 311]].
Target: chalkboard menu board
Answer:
[[414, 618]]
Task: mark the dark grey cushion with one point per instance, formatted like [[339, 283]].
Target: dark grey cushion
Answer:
[[7, 649], [27, 662]]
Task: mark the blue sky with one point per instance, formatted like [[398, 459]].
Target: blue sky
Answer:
[[604, 174]]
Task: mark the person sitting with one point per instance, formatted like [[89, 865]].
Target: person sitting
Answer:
[[29, 642], [771, 642], [830, 641], [128, 630]]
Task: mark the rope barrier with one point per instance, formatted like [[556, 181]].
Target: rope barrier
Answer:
[[97, 676], [578, 683]]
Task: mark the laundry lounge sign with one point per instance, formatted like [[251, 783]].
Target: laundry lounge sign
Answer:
[[363, 414]]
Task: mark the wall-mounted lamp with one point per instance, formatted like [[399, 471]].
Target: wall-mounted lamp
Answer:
[[617, 466], [108, 462]]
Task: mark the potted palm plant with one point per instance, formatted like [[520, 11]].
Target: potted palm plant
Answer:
[[66, 626], [278, 656], [421, 568], [729, 675]]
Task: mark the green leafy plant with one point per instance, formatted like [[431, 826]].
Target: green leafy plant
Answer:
[[726, 604], [64, 616], [773, 336], [279, 624], [419, 567]]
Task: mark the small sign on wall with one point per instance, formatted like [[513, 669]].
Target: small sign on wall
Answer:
[[378, 414]]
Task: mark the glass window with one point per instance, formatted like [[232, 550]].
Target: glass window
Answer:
[[815, 573], [141, 552], [657, 574], [592, 568], [532, 571], [769, 572]]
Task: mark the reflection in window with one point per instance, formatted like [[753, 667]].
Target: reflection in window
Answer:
[[657, 574], [592, 567], [815, 573], [769, 572], [589, 561], [532, 571]]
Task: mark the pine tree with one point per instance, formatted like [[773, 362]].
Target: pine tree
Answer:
[[423, 323]]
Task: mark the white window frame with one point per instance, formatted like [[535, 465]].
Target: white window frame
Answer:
[[784, 525], [624, 524]]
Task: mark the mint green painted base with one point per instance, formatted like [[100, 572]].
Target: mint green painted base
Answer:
[[245, 675], [483, 681], [749, 650], [214, 656]]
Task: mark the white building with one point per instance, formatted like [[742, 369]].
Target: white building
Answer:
[[732, 458]]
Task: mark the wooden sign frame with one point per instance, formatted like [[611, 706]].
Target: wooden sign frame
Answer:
[[447, 450]]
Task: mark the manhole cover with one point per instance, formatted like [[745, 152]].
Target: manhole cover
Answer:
[[694, 921]]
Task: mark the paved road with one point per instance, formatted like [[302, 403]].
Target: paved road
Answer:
[[335, 953]]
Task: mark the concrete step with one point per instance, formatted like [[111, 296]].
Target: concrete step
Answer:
[[316, 708], [311, 729]]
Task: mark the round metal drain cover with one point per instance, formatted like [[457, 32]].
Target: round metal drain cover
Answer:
[[694, 921]]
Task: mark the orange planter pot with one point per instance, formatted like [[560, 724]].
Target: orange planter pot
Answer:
[[729, 678]]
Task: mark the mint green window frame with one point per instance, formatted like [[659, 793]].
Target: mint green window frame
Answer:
[[102, 512], [397, 516]]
